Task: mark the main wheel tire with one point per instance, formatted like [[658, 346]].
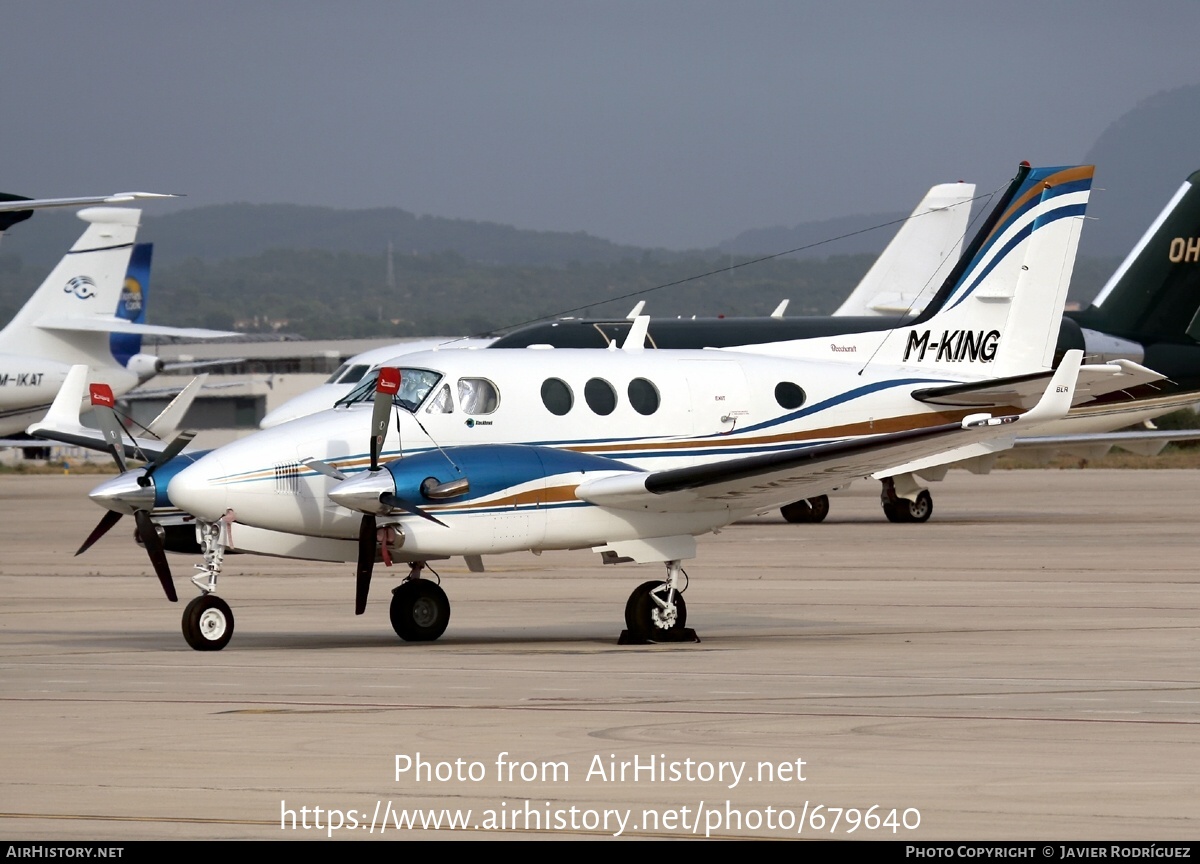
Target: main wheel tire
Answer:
[[903, 510], [420, 610], [644, 618], [921, 509], [808, 510], [208, 623], [798, 512]]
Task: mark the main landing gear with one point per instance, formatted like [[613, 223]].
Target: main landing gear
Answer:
[[809, 510], [898, 509], [420, 609], [655, 612]]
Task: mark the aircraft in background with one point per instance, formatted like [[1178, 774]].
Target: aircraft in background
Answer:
[[633, 453], [70, 318], [928, 243], [347, 376], [924, 252]]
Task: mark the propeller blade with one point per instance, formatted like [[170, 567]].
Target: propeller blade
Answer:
[[154, 547], [173, 449], [323, 468], [386, 387], [109, 519], [104, 407], [366, 562], [392, 501]]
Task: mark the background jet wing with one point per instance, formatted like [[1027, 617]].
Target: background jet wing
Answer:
[[1023, 391], [120, 325], [1146, 442], [17, 204]]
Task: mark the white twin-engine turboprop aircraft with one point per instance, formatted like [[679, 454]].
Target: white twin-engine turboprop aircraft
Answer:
[[628, 452]]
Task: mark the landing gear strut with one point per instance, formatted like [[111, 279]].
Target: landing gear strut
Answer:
[[655, 612]]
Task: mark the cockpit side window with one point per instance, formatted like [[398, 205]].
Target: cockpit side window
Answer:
[[477, 395], [441, 403], [415, 385], [354, 374], [341, 370]]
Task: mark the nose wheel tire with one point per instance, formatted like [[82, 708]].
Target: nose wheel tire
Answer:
[[420, 611], [208, 623], [647, 621]]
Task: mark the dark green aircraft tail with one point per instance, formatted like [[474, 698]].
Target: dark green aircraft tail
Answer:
[[1154, 296]]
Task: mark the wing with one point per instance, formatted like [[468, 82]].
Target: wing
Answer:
[[18, 204], [1147, 442], [120, 325]]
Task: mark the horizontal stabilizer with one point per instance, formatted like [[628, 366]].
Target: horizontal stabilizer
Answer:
[[120, 325], [1023, 391], [19, 204]]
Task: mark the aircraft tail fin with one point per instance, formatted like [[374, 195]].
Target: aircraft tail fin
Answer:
[[1000, 313], [132, 305], [85, 285], [919, 257], [1154, 296]]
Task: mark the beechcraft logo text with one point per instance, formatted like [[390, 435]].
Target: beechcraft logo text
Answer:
[[953, 345]]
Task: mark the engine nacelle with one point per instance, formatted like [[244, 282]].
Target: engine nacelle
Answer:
[[144, 366]]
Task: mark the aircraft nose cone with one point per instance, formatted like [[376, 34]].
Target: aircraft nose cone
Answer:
[[197, 490], [362, 493], [124, 493]]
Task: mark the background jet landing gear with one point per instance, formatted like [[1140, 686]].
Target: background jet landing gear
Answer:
[[420, 609], [656, 613], [809, 510], [208, 620], [898, 509]]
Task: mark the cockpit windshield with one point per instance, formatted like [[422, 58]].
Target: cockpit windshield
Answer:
[[415, 385]]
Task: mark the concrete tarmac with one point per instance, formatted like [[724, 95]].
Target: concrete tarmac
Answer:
[[1023, 667]]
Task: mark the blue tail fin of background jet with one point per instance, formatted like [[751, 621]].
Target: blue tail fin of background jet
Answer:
[[132, 305]]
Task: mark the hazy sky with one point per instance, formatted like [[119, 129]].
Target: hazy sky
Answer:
[[655, 123]]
